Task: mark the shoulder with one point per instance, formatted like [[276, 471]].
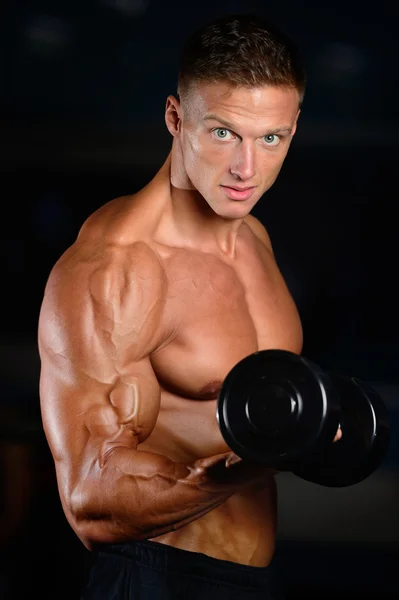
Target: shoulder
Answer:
[[259, 230], [112, 220], [113, 241], [99, 286], [105, 271], [110, 263]]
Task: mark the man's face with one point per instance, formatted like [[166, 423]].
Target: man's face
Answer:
[[234, 141]]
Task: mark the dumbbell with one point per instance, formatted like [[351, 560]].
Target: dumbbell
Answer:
[[279, 409]]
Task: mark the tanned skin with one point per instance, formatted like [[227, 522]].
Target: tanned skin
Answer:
[[161, 294]]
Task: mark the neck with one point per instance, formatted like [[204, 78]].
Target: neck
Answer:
[[199, 226], [193, 220]]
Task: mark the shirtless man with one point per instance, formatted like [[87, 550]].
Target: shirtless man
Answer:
[[161, 294]]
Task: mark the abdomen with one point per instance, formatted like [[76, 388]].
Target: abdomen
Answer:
[[241, 530]]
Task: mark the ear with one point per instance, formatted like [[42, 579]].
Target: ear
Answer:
[[173, 115], [293, 130]]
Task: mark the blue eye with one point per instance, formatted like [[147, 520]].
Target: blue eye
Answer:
[[271, 139], [221, 133]]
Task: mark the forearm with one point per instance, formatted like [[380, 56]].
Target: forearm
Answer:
[[137, 495]]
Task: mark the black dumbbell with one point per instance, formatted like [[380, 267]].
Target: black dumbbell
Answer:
[[282, 410]]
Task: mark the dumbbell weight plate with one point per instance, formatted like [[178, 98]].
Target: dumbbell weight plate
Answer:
[[275, 407], [364, 442]]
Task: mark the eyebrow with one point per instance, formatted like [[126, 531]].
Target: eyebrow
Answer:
[[213, 117]]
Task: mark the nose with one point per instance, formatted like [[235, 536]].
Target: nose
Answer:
[[243, 165]]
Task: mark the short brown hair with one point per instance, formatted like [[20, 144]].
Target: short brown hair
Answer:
[[243, 50]]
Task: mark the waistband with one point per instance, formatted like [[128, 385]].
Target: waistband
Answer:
[[162, 557]]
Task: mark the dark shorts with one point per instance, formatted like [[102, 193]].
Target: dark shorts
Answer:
[[153, 571]]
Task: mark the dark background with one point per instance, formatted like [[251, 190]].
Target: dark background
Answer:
[[83, 90]]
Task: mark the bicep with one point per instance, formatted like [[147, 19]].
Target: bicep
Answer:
[[87, 421], [84, 417], [97, 328]]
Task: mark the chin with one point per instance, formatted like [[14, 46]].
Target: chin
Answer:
[[235, 211]]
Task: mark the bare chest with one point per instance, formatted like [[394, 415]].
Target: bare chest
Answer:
[[217, 313]]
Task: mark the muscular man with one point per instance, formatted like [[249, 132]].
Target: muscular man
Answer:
[[161, 294]]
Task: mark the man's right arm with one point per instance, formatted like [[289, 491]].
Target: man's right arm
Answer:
[[99, 323]]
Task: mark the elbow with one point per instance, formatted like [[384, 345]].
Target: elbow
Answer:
[[94, 534], [95, 525], [85, 522]]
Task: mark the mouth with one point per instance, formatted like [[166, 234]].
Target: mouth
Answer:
[[238, 193]]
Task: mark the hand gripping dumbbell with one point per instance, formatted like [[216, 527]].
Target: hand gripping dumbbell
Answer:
[[280, 409]]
